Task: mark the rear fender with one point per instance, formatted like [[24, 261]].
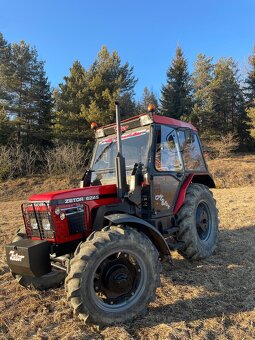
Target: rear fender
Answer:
[[204, 179], [145, 227]]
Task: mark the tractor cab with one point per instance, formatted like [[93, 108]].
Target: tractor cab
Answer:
[[168, 152]]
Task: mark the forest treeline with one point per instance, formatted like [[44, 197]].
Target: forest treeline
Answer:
[[215, 97]]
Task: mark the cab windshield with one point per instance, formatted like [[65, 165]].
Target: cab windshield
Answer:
[[134, 147]]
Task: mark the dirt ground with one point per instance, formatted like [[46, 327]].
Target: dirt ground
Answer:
[[210, 299]]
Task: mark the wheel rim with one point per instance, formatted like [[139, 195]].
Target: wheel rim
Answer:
[[118, 281], [203, 221]]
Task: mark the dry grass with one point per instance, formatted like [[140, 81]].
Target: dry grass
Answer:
[[210, 299], [22, 188], [232, 172]]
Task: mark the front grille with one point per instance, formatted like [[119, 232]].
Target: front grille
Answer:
[[76, 220], [37, 218]]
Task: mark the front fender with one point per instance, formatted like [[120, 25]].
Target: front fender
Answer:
[[145, 227]]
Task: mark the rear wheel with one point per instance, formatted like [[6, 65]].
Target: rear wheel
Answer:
[[51, 280], [113, 276], [198, 222]]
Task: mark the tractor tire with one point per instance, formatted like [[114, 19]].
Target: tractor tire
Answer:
[[51, 280], [198, 223], [113, 276]]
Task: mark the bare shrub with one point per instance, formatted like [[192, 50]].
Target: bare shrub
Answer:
[[32, 157], [5, 162], [223, 147], [67, 159], [15, 161], [11, 161]]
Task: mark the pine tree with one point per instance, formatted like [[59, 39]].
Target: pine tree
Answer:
[[6, 128], [127, 106], [251, 114], [5, 51], [28, 97], [176, 94], [87, 96], [250, 81], [109, 81], [70, 123], [228, 101], [149, 97], [43, 99], [202, 111]]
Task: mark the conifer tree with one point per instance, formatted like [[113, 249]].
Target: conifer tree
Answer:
[[70, 123], [202, 112], [149, 97], [109, 81], [5, 52], [251, 114], [87, 96], [176, 94], [6, 129], [228, 100], [5, 125], [250, 81], [27, 100], [250, 93]]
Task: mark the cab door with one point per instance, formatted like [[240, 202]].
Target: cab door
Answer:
[[166, 170]]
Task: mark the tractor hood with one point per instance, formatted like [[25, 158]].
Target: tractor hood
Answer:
[[76, 195]]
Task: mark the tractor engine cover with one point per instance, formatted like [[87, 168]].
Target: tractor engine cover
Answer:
[[29, 257]]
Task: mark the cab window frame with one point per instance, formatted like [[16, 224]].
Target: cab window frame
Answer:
[[195, 134], [172, 130]]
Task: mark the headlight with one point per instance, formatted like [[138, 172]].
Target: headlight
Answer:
[[62, 216], [33, 223], [57, 211], [146, 119]]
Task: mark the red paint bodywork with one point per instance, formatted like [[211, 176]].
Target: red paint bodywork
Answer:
[[62, 234], [182, 194], [173, 122], [160, 120], [77, 192]]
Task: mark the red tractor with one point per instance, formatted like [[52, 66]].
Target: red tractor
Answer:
[[107, 238]]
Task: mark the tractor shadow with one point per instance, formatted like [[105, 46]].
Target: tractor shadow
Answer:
[[218, 286]]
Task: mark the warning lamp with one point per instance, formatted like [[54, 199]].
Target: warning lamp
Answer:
[[93, 125], [151, 108]]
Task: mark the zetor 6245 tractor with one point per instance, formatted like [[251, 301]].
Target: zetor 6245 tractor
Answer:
[[145, 193]]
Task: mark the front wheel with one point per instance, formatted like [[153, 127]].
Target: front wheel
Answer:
[[113, 276], [198, 223]]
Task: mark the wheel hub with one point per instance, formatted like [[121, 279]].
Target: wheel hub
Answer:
[[203, 221], [119, 278]]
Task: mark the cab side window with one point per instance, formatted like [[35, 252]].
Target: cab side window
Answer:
[[167, 156], [191, 152]]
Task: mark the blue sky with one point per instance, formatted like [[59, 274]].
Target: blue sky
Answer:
[[144, 33]]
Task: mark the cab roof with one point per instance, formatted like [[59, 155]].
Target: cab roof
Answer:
[[143, 120]]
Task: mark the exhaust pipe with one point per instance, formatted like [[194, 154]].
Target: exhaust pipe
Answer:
[[120, 160]]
